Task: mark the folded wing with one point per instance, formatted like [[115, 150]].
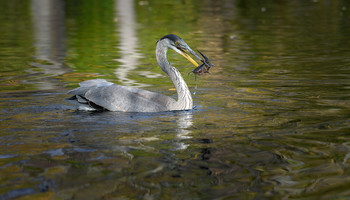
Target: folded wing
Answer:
[[101, 94]]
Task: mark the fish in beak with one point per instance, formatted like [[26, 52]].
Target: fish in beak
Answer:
[[205, 67]]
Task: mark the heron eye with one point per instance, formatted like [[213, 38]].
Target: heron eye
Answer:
[[177, 43]]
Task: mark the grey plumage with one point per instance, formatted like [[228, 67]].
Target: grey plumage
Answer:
[[100, 94]]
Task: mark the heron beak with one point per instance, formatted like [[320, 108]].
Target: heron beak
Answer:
[[188, 57]]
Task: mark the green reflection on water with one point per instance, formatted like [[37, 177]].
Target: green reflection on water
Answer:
[[16, 43], [273, 117], [92, 36]]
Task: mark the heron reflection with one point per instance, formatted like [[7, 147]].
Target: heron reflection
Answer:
[[99, 94]]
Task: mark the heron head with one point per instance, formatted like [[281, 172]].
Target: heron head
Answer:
[[180, 46]]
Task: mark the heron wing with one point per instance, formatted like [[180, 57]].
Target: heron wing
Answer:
[[87, 85], [115, 97]]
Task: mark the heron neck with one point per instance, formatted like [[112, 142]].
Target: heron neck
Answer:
[[184, 101]]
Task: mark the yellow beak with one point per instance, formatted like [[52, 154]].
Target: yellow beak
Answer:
[[184, 54]]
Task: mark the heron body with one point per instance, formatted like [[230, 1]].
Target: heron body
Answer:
[[100, 94]]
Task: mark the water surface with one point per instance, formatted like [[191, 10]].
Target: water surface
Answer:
[[271, 120]]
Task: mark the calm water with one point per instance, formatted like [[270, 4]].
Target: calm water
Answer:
[[272, 120]]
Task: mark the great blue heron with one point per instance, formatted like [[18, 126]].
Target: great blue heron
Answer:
[[100, 94]]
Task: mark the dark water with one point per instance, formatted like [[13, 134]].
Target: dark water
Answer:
[[272, 120]]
